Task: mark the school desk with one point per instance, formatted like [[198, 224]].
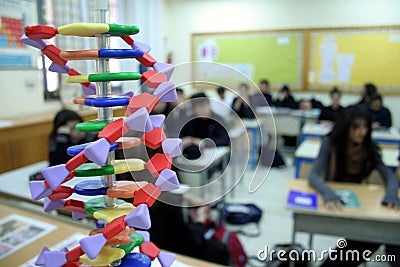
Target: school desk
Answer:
[[210, 158], [308, 151], [382, 136], [65, 228], [371, 222]]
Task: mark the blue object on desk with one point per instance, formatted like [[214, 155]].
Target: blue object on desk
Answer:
[[120, 53], [75, 150], [90, 188], [107, 101], [301, 199]]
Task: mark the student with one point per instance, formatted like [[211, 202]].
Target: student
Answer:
[[367, 92], [381, 116], [285, 98], [328, 114], [222, 105], [348, 154], [64, 135], [241, 103], [205, 124], [264, 87]]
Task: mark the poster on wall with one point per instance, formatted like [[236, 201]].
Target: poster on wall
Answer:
[[14, 16]]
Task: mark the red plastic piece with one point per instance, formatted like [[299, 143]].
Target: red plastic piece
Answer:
[[74, 72], [62, 192], [153, 78], [149, 249], [157, 163], [73, 264], [113, 131], [74, 254], [147, 60], [139, 101], [53, 53], [74, 205], [146, 195], [129, 40], [76, 161], [154, 138], [39, 32], [115, 227]]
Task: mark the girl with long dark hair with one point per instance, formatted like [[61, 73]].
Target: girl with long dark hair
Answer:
[[348, 154]]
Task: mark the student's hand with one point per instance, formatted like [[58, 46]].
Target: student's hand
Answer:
[[376, 125], [333, 204], [391, 203], [64, 129]]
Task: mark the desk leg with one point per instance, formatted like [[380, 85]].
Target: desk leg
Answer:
[[294, 229], [297, 163]]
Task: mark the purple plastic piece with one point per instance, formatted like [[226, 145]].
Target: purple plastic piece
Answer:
[[166, 259], [141, 46], [90, 90], [98, 151], [40, 261], [50, 205], [79, 215], [145, 234], [39, 190], [139, 121], [157, 120], [139, 217], [55, 175], [129, 94], [92, 245], [166, 92], [40, 44], [165, 68], [167, 180], [54, 67], [172, 146], [55, 258]]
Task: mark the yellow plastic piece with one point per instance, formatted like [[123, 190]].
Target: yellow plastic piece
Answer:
[[110, 214], [83, 29], [77, 79], [126, 165], [106, 256]]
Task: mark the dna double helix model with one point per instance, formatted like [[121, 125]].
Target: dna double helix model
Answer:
[[121, 226]]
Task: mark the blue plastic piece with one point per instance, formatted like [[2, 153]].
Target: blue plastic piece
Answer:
[[120, 53], [135, 259], [75, 150], [90, 188], [107, 101], [101, 223]]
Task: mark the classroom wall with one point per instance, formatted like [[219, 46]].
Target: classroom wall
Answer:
[[197, 16]]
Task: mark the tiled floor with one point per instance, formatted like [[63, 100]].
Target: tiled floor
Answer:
[[277, 221]]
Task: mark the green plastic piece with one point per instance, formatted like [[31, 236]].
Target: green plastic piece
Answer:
[[122, 30], [116, 76], [96, 204], [91, 126], [92, 169], [136, 240]]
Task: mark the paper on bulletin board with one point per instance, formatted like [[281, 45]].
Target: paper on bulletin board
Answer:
[[17, 231]]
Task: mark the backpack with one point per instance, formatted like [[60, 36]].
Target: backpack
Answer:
[[230, 240]]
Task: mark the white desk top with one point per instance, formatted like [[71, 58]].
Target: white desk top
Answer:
[[310, 148], [313, 113], [16, 182], [392, 134], [208, 157]]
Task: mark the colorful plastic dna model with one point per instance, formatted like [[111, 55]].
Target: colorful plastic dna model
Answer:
[[113, 242]]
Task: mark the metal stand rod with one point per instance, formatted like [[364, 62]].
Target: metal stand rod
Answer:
[[103, 89]]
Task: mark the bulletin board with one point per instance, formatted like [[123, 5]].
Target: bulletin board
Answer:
[[349, 58], [312, 59], [273, 55]]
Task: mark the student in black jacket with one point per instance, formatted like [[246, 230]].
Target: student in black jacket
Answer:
[[381, 116], [65, 135], [328, 114], [285, 98]]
